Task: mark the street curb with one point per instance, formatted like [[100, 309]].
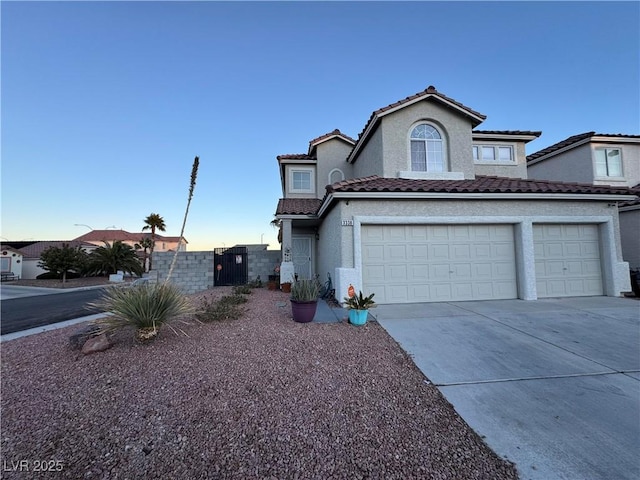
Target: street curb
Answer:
[[54, 326]]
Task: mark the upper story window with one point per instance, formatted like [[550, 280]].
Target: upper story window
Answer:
[[608, 162], [426, 149], [301, 180], [493, 154]]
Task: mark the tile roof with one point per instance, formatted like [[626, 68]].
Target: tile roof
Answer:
[[35, 249], [334, 133], [122, 235], [481, 184], [430, 92], [573, 140], [298, 206], [508, 132], [636, 191], [296, 156]]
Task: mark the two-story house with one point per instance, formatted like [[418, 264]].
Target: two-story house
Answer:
[[423, 207], [598, 159]]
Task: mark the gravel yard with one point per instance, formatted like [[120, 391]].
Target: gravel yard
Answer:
[[256, 398]]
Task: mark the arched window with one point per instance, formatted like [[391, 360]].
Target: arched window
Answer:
[[426, 149], [335, 175]]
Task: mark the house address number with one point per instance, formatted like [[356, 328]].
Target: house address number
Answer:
[[347, 223]]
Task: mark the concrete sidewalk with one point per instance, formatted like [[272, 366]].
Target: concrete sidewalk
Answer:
[[552, 385]]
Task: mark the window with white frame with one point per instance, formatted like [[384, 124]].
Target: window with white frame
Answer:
[[427, 152], [301, 180], [493, 154], [608, 162]]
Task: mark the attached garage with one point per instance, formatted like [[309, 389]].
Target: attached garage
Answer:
[[567, 260], [438, 263]]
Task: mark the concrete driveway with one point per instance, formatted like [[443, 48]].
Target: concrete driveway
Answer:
[[552, 385]]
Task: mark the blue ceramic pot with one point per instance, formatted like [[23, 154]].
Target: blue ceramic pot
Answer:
[[358, 317]]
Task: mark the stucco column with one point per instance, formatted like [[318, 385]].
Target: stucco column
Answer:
[[286, 267], [525, 260]]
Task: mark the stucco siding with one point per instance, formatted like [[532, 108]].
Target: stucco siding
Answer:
[[369, 160], [330, 244], [331, 155], [630, 237], [574, 165], [456, 131]]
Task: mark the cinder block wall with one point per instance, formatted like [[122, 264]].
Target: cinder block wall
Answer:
[[262, 261], [193, 271]]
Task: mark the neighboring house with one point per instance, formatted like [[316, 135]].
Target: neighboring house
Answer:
[[163, 243], [598, 159], [32, 252], [10, 263], [423, 207]]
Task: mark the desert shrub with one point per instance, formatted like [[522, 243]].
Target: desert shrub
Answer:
[[257, 283], [242, 290], [226, 308], [144, 306]]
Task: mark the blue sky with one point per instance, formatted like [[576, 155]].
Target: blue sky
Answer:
[[105, 104]]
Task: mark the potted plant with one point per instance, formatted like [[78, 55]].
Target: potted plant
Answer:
[[304, 299], [358, 306], [274, 280]]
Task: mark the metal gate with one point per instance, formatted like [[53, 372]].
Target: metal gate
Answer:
[[230, 266]]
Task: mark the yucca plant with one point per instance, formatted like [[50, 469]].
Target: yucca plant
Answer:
[[145, 307], [305, 290]]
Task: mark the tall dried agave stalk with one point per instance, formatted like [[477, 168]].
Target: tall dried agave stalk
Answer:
[[194, 175]]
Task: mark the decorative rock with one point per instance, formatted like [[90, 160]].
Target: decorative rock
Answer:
[[99, 343], [78, 339]]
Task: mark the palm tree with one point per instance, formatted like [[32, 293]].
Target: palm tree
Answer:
[[111, 258], [144, 244], [153, 222]]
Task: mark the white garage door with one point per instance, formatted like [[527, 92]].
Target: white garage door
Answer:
[[567, 260], [438, 263]]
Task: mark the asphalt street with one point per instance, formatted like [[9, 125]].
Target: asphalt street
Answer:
[[25, 312]]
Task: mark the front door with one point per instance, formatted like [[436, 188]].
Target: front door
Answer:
[[301, 256]]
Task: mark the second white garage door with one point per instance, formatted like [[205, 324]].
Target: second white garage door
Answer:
[[567, 260], [438, 263]]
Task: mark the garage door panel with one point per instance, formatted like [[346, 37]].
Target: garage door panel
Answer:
[[418, 273], [418, 252], [439, 251], [463, 290], [397, 273], [460, 271], [397, 293], [375, 273], [441, 292], [395, 234], [573, 249], [461, 252], [567, 260], [375, 253], [502, 250], [441, 263]]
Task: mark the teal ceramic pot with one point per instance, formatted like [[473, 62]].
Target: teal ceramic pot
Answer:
[[358, 317]]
